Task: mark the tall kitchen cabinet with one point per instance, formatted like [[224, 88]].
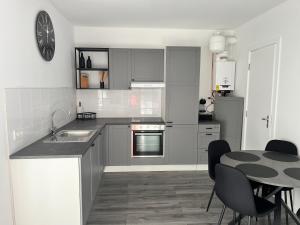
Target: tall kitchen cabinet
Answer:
[[182, 93], [135, 65], [229, 112]]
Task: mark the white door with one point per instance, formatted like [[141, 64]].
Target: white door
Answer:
[[261, 97]]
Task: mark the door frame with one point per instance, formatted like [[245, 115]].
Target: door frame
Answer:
[[275, 85]]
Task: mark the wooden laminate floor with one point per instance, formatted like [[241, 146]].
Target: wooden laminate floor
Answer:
[[157, 198]]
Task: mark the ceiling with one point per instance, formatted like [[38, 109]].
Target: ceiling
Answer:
[[189, 14]]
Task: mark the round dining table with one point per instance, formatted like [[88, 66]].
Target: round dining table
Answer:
[[273, 168]]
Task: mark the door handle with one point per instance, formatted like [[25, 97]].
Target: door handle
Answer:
[[266, 119]]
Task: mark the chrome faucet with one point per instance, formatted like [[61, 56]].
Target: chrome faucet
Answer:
[[53, 128]]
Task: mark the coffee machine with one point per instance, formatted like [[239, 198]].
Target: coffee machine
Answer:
[[204, 115]]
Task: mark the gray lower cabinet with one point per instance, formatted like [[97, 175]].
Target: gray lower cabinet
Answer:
[[182, 104], [229, 112], [118, 145], [147, 65], [183, 65], [181, 144], [86, 182], [91, 171], [207, 132], [119, 68]]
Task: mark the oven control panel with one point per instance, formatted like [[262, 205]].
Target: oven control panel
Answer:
[[147, 127]]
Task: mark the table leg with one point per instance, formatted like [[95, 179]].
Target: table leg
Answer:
[[277, 212]]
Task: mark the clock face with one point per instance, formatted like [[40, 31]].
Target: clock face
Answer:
[[45, 35]]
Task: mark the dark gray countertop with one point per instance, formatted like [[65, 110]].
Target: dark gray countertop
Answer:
[[39, 149], [208, 122]]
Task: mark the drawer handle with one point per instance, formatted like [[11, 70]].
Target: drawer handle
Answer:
[[209, 128], [169, 122], [208, 134], [169, 126]]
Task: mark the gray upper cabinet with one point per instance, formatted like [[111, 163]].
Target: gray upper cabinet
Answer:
[[182, 104], [182, 84], [181, 144], [147, 65], [118, 145], [119, 68], [229, 112], [183, 65]]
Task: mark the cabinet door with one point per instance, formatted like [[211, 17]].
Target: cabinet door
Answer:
[[229, 112], [205, 138], [203, 156], [181, 144], [86, 182], [119, 68], [147, 65], [95, 155], [182, 104], [119, 145], [183, 65]]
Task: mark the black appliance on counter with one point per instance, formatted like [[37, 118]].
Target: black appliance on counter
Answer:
[[204, 115]]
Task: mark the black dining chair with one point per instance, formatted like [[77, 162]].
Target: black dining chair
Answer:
[[285, 147], [215, 150], [234, 189]]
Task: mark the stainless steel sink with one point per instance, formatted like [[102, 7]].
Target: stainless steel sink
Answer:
[[64, 136]]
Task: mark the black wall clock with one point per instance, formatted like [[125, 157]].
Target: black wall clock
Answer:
[[45, 36]]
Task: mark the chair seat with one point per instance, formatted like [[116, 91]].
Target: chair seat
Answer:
[[263, 206]]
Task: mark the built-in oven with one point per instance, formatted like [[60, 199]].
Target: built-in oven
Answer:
[[147, 140]]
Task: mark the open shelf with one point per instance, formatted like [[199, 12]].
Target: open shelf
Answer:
[[90, 78]]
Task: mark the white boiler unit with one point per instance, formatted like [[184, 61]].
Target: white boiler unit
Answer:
[[223, 75]]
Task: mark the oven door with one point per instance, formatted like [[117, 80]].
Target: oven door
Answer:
[[147, 143]]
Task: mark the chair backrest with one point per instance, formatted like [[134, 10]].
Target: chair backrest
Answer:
[[234, 190], [215, 150], [282, 147]]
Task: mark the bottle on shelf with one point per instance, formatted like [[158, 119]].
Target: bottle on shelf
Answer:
[[89, 62], [81, 61]]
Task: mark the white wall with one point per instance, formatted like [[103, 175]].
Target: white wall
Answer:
[[150, 38], [22, 66], [282, 21]]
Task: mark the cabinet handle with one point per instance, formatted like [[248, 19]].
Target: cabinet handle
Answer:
[[208, 134], [208, 128], [169, 122], [132, 79], [206, 150], [93, 145], [169, 126]]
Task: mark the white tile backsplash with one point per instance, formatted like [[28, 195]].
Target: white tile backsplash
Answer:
[[121, 103], [29, 113]]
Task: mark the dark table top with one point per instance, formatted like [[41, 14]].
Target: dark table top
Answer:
[[272, 168]]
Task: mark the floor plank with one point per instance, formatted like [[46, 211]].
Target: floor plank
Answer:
[[157, 198]]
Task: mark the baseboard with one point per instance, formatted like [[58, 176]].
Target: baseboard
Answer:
[[148, 168]]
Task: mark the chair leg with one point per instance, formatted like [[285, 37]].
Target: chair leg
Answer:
[[234, 217], [286, 212], [222, 215], [239, 219], [269, 219], [257, 191], [291, 200], [210, 199], [249, 220]]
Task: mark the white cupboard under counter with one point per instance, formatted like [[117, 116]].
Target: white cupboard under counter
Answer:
[[52, 191]]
